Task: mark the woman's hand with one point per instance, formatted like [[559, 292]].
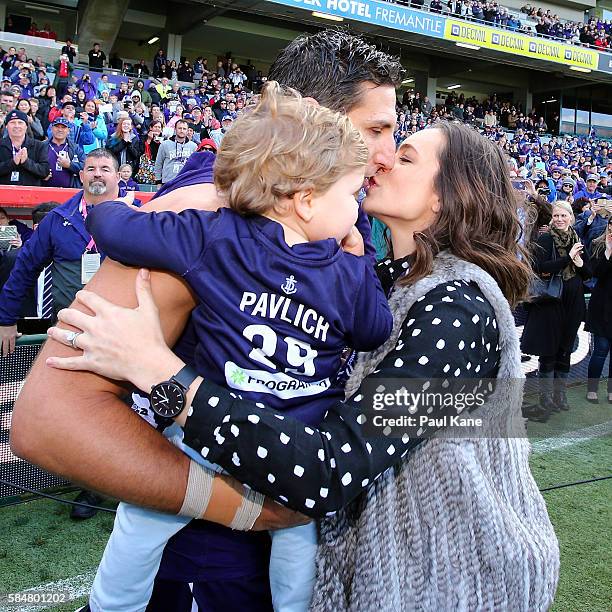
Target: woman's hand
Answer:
[[275, 516], [16, 242], [119, 343], [575, 253]]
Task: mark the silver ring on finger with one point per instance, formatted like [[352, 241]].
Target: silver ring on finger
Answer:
[[71, 338]]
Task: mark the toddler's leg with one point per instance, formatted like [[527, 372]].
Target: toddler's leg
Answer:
[[292, 567], [124, 580]]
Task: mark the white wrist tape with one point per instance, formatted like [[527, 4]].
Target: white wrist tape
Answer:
[[199, 491], [249, 511]]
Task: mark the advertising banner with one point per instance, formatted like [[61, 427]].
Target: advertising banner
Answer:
[[520, 44], [384, 14]]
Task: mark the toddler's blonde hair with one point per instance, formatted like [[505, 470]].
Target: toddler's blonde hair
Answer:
[[285, 145]]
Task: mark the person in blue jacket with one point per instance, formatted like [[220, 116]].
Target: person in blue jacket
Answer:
[[61, 241], [592, 223], [591, 191], [66, 158], [80, 129]]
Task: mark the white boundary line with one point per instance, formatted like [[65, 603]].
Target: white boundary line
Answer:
[[74, 587], [579, 436]]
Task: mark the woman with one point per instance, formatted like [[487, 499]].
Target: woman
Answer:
[[451, 218], [177, 116], [552, 326], [148, 149], [48, 102], [599, 316], [124, 144], [98, 126], [172, 69], [34, 125], [145, 96], [81, 98]]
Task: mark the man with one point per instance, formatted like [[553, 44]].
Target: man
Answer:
[[7, 104], [66, 158], [163, 89], [96, 58], [172, 154], [604, 184], [130, 460], [591, 192], [63, 74], [141, 69], [60, 241], [80, 129], [69, 51], [23, 160]]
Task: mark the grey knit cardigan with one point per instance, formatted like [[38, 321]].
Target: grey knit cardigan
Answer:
[[461, 525]]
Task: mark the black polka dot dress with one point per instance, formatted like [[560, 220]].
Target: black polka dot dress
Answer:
[[451, 332]]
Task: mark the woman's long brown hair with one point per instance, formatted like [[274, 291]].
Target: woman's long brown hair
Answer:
[[478, 219]]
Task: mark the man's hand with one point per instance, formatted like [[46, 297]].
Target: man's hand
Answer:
[[63, 161], [17, 158], [24, 155], [8, 335], [595, 208]]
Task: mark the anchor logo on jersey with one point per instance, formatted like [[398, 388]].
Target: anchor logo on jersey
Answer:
[[290, 286]]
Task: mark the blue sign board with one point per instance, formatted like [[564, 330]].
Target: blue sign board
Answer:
[[383, 14]]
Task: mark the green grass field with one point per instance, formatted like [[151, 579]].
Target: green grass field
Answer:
[[39, 544]]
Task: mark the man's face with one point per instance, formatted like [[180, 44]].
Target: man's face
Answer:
[[8, 102], [374, 117], [181, 130], [60, 132], [68, 112], [4, 220], [164, 81], [16, 129], [591, 185], [99, 177]]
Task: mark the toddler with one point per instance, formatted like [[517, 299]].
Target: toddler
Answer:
[[279, 300]]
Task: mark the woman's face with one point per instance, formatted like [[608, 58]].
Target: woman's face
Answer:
[[23, 106], [155, 130], [51, 92], [561, 219], [126, 126], [405, 195], [90, 107]]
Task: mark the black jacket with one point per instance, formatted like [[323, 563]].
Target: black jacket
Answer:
[[33, 171], [599, 317], [132, 151], [552, 326]]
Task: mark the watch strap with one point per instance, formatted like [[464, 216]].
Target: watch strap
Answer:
[[184, 377]]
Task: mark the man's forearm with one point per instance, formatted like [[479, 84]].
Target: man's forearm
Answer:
[[98, 442], [76, 425]]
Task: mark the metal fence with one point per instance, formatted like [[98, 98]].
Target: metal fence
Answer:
[[13, 371]]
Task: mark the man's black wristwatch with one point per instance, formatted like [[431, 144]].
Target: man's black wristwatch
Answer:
[[169, 398]]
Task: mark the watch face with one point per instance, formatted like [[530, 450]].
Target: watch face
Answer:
[[167, 399]]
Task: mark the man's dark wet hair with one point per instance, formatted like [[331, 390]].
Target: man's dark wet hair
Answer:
[[330, 67]]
